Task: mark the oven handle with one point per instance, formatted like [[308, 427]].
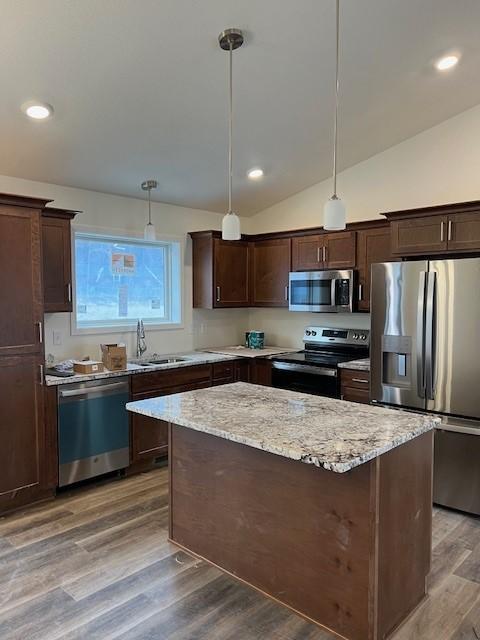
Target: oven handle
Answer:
[[318, 371]]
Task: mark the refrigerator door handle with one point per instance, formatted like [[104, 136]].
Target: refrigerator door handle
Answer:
[[430, 323], [421, 334]]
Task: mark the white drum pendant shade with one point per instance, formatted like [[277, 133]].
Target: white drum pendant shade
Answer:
[[334, 215], [231, 227]]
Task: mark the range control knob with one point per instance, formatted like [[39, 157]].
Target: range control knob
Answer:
[[355, 336], [307, 332], [314, 333], [363, 337]]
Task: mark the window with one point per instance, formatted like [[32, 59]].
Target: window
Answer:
[[118, 280]]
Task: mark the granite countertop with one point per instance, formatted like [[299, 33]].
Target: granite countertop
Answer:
[[333, 434], [245, 352], [191, 358], [357, 365]]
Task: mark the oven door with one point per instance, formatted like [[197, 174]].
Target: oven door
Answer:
[[321, 291], [320, 381]]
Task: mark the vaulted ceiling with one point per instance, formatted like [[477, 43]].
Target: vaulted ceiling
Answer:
[[140, 90]]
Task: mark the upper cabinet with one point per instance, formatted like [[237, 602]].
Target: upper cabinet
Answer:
[[270, 262], [452, 228], [220, 271], [324, 251], [373, 245], [57, 259]]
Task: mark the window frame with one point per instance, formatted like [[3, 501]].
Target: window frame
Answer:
[[129, 236]]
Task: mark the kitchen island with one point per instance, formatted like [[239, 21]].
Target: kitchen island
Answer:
[[323, 505]]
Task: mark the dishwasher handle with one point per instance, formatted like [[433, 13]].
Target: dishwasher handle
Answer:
[[69, 393]]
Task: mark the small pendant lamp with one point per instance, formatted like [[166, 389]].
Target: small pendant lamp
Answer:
[[229, 40], [334, 214]]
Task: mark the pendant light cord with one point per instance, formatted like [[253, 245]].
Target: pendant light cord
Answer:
[[149, 206], [336, 100], [230, 129]]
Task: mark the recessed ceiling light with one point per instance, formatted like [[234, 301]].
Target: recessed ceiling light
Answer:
[[255, 174], [37, 110], [446, 62]]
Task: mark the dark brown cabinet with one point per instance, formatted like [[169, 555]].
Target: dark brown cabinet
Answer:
[[444, 229], [373, 245], [23, 473], [270, 261], [220, 272], [420, 236], [261, 371], [57, 259], [324, 251], [149, 436], [463, 232], [355, 385]]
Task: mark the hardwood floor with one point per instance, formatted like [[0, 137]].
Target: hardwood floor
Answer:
[[96, 565]]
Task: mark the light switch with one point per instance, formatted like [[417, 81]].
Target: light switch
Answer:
[[57, 338]]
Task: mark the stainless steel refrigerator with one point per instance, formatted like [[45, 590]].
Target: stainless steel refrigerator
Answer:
[[425, 356]]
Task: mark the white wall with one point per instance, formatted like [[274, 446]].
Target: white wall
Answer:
[[439, 165], [128, 215]]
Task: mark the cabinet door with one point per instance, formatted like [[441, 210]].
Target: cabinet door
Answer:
[[21, 296], [352, 394], [464, 232], [22, 453], [231, 273], [57, 274], [149, 438], [340, 250], [270, 271], [373, 245], [355, 385], [419, 236], [261, 372], [307, 253], [242, 370]]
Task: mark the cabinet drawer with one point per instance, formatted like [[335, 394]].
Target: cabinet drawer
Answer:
[[352, 394], [355, 379], [223, 371], [167, 378]]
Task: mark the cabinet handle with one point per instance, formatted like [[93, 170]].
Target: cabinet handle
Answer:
[[69, 292], [318, 254], [40, 332], [449, 232], [360, 292], [442, 227], [286, 292], [324, 253], [218, 294], [42, 377], [360, 380]]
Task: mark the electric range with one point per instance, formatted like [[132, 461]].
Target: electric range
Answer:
[[315, 369]]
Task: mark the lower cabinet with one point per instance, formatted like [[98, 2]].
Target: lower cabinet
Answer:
[[24, 476], [261, 371], [355, 385]]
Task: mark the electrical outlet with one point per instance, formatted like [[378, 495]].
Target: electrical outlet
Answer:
[[57, 338]]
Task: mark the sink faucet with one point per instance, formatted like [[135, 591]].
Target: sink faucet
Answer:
[[141, 344]]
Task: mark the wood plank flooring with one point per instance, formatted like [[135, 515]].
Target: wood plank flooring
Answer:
[[95, 564]]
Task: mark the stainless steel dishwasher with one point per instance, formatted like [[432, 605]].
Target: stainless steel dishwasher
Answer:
[[93, 432]]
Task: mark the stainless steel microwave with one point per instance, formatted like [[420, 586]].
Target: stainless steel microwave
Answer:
[[321, 291]]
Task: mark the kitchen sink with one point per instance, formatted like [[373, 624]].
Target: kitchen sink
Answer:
[[157, 361]]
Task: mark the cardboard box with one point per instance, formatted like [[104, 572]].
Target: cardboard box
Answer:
[[114, 357], [87, 366]]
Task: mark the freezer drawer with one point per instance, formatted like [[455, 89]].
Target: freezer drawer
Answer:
[[456, 478]]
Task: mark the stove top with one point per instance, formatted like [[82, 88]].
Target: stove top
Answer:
[[327, 347]]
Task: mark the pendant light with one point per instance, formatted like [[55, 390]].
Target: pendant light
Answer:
[[229, 40], [149, 232], [334, 214]]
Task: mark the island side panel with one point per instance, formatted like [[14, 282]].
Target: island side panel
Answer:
[[405, 529], [301, 534]]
